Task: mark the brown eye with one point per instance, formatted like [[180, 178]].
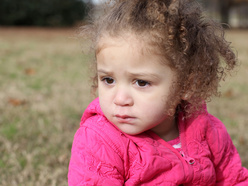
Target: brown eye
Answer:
[[109, 80], [142, 83]]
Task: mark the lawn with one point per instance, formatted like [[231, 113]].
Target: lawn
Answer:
[[44, 89]]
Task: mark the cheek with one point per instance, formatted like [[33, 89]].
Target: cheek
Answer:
[[102, 93], [103, 100], [153, 108], [157, 100]]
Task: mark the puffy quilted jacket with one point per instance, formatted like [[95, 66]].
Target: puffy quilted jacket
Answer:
[[103, 155]]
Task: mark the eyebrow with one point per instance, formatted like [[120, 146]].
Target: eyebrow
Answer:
[[104, 72], [145, 75], [142, 74]]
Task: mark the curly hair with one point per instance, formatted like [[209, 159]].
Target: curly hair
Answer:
[[176, 29]]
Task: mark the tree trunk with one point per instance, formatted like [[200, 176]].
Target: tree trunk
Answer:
[[225, 6]]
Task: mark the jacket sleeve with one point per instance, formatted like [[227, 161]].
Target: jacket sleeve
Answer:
[[94, 161], [228, 167]]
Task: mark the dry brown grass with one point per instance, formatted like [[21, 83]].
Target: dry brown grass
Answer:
[[44, 89], [43, 92]]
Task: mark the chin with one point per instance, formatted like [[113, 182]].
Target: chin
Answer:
[[132, 132]]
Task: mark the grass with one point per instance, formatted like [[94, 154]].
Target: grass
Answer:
[[231, 107], [43, 92], [44, 89]]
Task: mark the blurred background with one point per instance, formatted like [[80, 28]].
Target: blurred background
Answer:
[[45, 84]]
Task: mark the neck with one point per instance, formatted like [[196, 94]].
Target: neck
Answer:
[[167, 132]]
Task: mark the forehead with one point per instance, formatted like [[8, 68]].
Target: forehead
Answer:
[[135, 49], [110, 41], [138, 43], [129, 52]]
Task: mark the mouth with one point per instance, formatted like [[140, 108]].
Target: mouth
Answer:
[[124, 118]]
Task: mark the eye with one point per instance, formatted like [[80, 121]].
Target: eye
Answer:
[[142, 83], [108, 80]]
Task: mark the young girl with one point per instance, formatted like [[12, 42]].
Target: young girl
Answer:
[[157, 62]]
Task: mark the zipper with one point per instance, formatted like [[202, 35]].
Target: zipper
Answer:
[[188, 159]]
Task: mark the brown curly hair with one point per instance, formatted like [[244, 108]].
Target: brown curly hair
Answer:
[[194, 46]]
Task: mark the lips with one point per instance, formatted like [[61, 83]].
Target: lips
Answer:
[[124, 118]]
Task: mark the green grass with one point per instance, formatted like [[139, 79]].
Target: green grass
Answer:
[[9, 131], [44, 89]]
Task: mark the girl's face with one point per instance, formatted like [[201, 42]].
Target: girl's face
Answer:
[[134, 87]]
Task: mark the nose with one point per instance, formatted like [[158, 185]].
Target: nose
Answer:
[[123, 97]]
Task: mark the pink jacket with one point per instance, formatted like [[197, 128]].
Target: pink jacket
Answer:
[[103, 155]]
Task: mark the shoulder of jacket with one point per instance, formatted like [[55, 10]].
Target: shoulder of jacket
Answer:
[[107, 133], [206, 122], [203, 127]]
